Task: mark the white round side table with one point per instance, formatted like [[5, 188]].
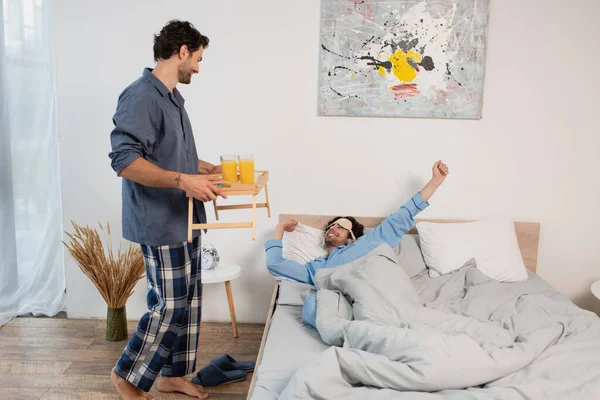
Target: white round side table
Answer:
[[596, 289], [225, 273]]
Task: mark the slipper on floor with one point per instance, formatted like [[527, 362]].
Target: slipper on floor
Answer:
[[227, 363], [211, 375]]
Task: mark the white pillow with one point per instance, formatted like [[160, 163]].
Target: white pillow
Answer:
[[492, 243], [304, 244]]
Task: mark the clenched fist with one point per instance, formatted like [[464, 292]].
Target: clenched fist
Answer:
[[440, 172]]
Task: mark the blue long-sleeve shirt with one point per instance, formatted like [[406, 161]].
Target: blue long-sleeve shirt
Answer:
[[151, 123], [390, 231]]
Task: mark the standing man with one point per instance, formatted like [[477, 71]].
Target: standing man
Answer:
[[153, 149]]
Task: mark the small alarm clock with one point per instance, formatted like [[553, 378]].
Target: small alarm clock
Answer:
[[209, 257]]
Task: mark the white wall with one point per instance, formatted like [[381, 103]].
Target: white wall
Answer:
[[532, 157]]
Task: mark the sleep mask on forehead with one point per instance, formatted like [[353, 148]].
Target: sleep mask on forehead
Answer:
[[344, 223]]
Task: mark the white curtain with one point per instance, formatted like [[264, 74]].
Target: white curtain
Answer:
[[32, 278]]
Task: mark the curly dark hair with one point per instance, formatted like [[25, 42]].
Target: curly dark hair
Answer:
[[174, 35], [357, 228]]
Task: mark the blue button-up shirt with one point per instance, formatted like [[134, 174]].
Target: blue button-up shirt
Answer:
[[151, 122], [390, 231]]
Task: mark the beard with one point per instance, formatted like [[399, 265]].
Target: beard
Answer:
[[333, 242], [184, 75]]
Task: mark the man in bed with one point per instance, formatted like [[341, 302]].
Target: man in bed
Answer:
[[345, 241]]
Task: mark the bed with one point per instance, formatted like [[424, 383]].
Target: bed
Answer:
[[289, 345]]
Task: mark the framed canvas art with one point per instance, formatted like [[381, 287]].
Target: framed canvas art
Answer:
[[403, 58]]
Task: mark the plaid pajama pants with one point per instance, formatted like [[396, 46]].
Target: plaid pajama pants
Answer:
[[166, 338]]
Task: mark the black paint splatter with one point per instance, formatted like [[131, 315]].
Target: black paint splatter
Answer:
[[385, 64], [406, 45], [367, 42], [339, 55], [342, 67], [427, 63], [449, 73], [336, 92]]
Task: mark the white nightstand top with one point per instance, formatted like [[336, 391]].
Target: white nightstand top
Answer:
[[596, 289], [223, 273]]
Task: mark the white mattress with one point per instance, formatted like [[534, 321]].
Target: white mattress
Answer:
[[291, 343]]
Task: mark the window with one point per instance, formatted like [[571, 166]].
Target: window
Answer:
[[29, 163]]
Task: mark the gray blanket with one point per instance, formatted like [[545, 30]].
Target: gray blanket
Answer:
[[469, 338]]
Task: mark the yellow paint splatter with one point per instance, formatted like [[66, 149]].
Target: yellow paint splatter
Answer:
[[352, 76], [400, 66]]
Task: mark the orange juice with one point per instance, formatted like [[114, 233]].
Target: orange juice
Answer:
[[229, 169], [246, 170]]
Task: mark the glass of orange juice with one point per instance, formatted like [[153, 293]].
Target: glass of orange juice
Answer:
[[229, 168], [246, 162]]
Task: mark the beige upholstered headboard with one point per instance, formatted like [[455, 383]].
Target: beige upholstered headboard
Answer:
[[528, 233]]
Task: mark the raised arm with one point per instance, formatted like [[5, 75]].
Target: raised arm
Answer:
[[439, 173], [279, 266], [393, 228]]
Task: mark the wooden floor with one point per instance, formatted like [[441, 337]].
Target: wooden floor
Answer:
[[50, 358]]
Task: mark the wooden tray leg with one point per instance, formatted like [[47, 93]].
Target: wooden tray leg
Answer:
[[190, 217], [216, 209], [254, 217], [267, 200]]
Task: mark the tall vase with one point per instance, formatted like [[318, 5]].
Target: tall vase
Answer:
[[116, 324]]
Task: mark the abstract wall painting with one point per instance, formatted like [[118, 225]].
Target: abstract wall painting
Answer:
[[403, 58]]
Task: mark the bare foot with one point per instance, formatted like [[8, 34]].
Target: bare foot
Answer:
[[126, 390], [181, 385]]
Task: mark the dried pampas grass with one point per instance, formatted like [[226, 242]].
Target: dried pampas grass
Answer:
[[113, 277]]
